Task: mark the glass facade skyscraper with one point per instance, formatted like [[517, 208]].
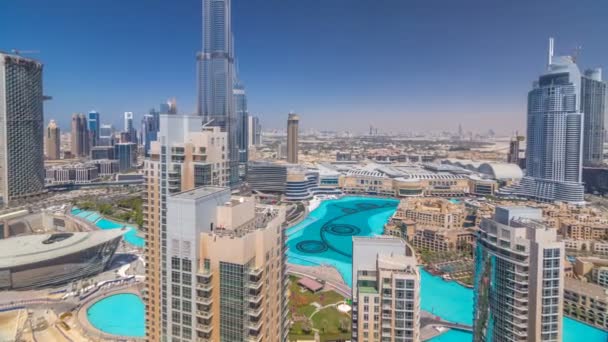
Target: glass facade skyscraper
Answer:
[[93, 126], [21, 128], [242, 118], [594, 108], [555, 134], [216, 75]]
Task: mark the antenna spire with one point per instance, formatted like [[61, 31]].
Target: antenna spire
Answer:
[[551, 46]]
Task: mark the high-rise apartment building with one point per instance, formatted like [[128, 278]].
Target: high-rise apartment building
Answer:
[[225, 268], [242, 121], [184, 156], [80, 138], [53, 141], [385, 291], [593, 106], [21, 128], [93, 125], [215, 77], [555, 134], [293, 122], [519, 278]]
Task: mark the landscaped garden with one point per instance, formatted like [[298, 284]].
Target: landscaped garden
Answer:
[[316, 313]]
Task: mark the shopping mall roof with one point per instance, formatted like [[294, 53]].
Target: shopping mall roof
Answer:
[[28, 249]]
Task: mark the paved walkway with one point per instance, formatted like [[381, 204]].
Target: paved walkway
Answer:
[[328, 274]]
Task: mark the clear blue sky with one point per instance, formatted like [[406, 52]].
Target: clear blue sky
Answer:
[[342, 64]]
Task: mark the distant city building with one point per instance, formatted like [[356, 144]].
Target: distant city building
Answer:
[[216, 75], [21, 128], [183, 157], [385, 290], [80, 138], [293, 122], [229, 295], [102, 152], [242, 121], [555, 134], [596, 179], [72, 174], [255, 131], [169, 107], [43, 260], [106, 136], [149, 131], [53, 141], [515, 155], [519, 278], [129, 128], [93, 125], [593, 106], [126, 154]]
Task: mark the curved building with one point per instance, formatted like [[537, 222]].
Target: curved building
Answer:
[[35, 261]]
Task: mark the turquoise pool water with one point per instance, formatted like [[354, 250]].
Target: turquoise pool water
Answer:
[[325, 236], [322, 239], [120, 314], [102, 223]]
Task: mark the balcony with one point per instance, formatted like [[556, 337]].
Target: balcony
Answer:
[[255, 298], [254, 285], [256, 272], [254, 325], [205, 274], [206, 328], [254, 338], [255, 312], [204, 314], [204, 300], [205, 286]]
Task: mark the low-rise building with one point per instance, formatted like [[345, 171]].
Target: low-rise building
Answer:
[[586, 302], [432, 212]]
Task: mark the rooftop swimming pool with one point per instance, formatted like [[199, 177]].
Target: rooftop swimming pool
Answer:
[[103, 223], [120, 314], [325, 237]]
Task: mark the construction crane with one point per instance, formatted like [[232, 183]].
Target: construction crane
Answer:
[[24, 52]]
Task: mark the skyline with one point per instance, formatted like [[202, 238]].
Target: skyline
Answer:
[[282, 69]]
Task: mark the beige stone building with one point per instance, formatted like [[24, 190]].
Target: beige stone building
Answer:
[[52, 141], [226, 268], [586, 302], [432, 212], [385, 291], [184, 157]]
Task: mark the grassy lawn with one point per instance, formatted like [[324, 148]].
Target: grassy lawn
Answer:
[[326, 321]]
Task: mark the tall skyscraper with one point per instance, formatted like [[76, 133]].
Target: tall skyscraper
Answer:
[[21, 128], [129, 127], [255, 131], [293, 122], [519, 278], [53, 141], [80, 136], [593, 97], [93, 125], [385, 291], [555, 134], [225, 266], [242, 119], [182, 158], [216, 74]]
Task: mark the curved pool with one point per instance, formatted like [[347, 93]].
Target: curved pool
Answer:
[[120, 314], [325, 238], [130, 236]]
